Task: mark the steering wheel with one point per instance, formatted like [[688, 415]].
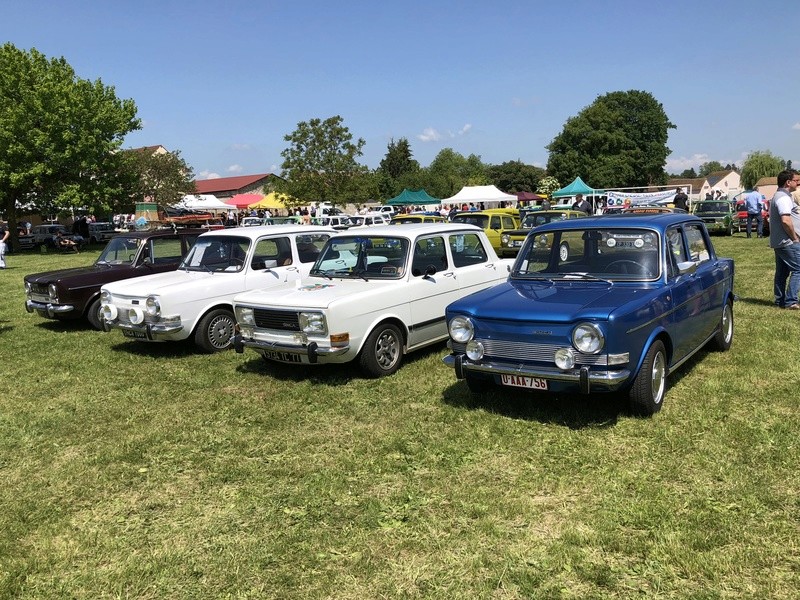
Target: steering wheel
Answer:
[[235, 261], [627, 267]]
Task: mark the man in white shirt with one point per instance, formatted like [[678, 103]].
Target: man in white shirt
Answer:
[[784, 239]]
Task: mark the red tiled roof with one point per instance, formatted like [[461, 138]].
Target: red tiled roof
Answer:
[[228, 184]]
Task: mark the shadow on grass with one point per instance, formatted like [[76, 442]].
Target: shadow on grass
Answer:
[[755, 301], [170, 349], [569, 410]]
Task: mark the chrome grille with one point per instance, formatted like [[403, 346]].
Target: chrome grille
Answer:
[[526, 352], [283, 320]]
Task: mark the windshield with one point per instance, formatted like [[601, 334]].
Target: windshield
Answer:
[[712, 207], [363, 257], [481, 221], [217, 254], [120, 251], [596, 254]]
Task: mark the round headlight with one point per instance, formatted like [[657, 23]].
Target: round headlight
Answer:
[[28, 287], [504, 239], [105, 297], [151, 306], [474, 350], [588, 338], [136, 315], [565, 358], [461, 329], [109, 312], [52, 291]]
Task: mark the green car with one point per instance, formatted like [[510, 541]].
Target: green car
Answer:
[[718, 215]]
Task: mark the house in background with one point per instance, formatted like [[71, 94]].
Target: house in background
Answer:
[[227, 187], [729, 182], [767, 186]]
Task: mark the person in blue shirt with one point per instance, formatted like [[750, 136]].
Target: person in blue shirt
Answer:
[[752, 202]]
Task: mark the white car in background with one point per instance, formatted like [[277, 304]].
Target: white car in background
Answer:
[[197, 299], [368, 219], [374, 294]]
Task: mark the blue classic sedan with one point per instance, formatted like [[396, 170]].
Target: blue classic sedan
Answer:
[[602, 304]]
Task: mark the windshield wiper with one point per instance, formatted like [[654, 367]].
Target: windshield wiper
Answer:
[[586, 277], [532, 277], [321, 273]]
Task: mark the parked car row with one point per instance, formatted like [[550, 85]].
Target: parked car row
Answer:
[[590, 305]]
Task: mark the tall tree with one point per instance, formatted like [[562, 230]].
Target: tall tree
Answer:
[[58, 133], [320, 163], [688, 174], [709, 167], [396, 167], [515, 176], [760, 164], [620, 140]]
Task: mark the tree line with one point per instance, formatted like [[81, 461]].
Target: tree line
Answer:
[[61, 148]]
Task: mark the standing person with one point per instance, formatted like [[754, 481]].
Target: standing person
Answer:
[[784, 239], [581, 204], [5, 233], [681, 200], [752, 203], [546, 204]]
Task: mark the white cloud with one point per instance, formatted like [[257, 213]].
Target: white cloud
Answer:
[[465, 129], [681, 163], [429, 134], [208, 175], [235, 169], [796, 126], [241, 147]]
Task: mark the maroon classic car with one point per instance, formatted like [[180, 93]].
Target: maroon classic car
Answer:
[[75, 293]]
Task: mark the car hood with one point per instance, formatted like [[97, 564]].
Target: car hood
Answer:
[[559, 302], [96, 274], [316, 292]]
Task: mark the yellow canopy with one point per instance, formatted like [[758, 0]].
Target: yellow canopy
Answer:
[[271, 200]]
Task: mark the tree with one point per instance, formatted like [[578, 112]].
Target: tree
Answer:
[[320, 164], [395, 168], [58, 133], [515, 176], [450, 171], [620, 140], [688, 174], [760, 164], [162, 177], [709, 167], [548, 185]]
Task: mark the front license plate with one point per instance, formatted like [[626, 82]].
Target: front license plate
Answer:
[[531, 383], [281, 356], [138, 335]]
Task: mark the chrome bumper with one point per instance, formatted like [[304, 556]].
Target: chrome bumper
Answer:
[[150, 330], [47, 308], [310, 350], [583, 377]]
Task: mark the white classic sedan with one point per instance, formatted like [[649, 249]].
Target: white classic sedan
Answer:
[[197, 299], [373, 295]]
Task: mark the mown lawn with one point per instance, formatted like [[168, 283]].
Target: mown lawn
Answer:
[[130, 470]]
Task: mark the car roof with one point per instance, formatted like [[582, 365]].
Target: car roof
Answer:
[[410, 230], [146, 233], [659, 221], [268, 230]]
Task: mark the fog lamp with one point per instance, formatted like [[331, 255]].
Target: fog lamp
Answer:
[[474, 350], [565, 358], [136, 315]]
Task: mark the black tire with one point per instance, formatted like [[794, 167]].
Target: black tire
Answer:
[[647, 393], [382, 352], [724, 337], [478, 385], [93, 314], [215, 331]]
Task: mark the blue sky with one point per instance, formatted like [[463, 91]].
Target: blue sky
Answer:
[[224, 82]]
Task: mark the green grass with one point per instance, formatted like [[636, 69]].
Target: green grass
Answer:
[[130, 470]]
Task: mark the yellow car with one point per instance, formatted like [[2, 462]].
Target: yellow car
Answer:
[[494, 221], [511, 241], [416, 218]]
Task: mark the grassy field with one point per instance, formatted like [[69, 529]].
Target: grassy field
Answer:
[[130, 470]]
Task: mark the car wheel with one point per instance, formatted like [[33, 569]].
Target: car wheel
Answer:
[[563, 252], [647, 392], [93, 315], [215, 330], [478, 385], [382, 352], [724, 337]]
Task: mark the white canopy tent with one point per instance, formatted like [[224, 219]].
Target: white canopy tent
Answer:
[[475, 194], [207, 202]]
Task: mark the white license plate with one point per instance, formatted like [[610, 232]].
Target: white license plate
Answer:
[[137, 335], [531, 383], [281, 356]]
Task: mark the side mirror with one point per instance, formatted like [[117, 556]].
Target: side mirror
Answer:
[[688, 266]]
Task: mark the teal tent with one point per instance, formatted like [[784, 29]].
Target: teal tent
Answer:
[[576, 187], [412, 198]]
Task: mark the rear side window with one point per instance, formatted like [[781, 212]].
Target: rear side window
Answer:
[[467, 249], [698, 248], [164, 250]]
